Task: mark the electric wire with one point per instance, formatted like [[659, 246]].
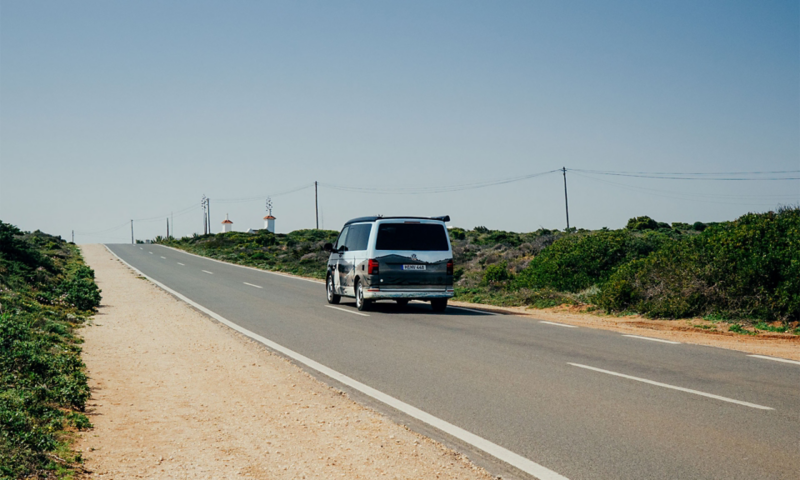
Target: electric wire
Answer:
[[434, 189], [262, 197], [729, 176]]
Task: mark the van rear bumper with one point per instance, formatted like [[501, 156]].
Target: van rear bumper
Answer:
[[421, 294]]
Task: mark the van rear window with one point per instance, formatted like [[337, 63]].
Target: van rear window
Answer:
[[422, 237]]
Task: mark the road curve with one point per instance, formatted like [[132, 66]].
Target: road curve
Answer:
[[583, 403]]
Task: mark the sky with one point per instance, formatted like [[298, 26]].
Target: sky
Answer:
[[113, 111]]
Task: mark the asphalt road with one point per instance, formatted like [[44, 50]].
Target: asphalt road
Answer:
[[587, 404]]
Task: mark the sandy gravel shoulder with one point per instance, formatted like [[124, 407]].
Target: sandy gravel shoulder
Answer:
[[177, 395], [695, 331]]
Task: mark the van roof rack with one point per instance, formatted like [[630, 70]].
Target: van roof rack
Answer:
[[443, 218]]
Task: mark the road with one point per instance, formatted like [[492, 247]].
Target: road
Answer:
[[583, 403]]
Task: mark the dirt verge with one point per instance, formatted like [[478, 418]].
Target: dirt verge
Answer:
[[177, 395]]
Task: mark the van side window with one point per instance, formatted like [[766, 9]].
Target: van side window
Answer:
[[340, 242], [358, 236]]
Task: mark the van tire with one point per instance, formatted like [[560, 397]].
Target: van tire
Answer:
[[361, 303], [439, 304], [332, 297]]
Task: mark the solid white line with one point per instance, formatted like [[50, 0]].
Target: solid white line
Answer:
[[206, 271], [179, 263], [652, 339], [164, 258], [775, 359], [348, 311], [558, 324], [480, 443], [312, 280], [673, 387], [252, 285], [473, 310]]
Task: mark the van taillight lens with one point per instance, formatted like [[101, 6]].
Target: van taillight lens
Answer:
[[372, 267], [450, 267]]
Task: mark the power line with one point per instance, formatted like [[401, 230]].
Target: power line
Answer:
[[435, 189], [729, 176], [261, 197]]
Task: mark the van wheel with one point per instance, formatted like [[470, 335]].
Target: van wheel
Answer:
[[361, 304], [332, 297], [402, 302], [439, 304]]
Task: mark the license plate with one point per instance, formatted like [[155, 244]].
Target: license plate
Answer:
[[413, 267]]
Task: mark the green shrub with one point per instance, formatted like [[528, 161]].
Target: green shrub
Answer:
[[642, 223], [578, 261], [749, 268], [496, 274]]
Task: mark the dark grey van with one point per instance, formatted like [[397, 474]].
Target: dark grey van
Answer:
[[396, 258]]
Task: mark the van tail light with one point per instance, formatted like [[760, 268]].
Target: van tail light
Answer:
[[372, 267], [450, 267]]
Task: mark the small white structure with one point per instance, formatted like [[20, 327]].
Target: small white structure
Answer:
[[227, 225], [269, 223]]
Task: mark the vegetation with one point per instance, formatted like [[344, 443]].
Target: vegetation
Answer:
[[747, 270], [45, 293], [298, 253]]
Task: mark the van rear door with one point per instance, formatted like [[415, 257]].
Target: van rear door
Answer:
[[413, 255]]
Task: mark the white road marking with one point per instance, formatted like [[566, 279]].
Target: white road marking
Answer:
[[775, 359], [140, 248], [346, 310], [150, 253], [252, 285], [473, 310], [206, 271], [312, 280], [164, 258], [182, 265], [652, 339], [558, 324], [673, 387], [503, 454]]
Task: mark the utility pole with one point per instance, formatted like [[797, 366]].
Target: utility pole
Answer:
[[172, 221], [316, 203], [208, 213], [566, 202], [205, 217], [132, 242], [167, 228], [73, 236]]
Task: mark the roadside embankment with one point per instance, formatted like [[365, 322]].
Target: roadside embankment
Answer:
[[177, 395]]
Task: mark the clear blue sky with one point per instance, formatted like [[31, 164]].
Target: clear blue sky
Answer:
[[118, 110]]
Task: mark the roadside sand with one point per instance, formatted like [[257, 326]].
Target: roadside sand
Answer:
[[177, 395], [784, 345]]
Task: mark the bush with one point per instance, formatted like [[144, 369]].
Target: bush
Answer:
[[578, 261], [496, 274], [642, 223], [82, 293], [749, 268]]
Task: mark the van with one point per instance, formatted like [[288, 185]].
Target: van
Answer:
[[391, 258]]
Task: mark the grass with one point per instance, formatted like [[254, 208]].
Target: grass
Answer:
[[46, 293]]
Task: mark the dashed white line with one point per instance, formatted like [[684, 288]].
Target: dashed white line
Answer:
[[182, 265], [514, 459], [775, 359], [673, 387], [140, 248], [652, 339], [150, 253], [346, 310], [206, 271], [164, 258], [558, 324], [253, 285]]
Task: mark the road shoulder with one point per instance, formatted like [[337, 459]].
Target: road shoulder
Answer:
[[177, 395]]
